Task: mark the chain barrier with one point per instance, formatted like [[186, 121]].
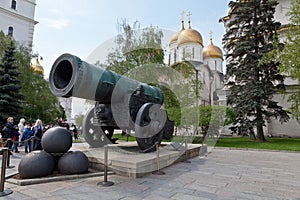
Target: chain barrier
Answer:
[[4, 143]]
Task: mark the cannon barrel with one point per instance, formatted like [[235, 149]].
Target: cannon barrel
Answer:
[[72, 77]]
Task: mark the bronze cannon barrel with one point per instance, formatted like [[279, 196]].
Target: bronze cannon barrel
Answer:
[[72, 77]]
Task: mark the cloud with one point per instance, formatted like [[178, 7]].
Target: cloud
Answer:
[[55, 23]]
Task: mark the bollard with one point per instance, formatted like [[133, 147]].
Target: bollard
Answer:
[[32, 143], [8, 160], [105, 183], [158, 172], [185, 153], [5, 153]]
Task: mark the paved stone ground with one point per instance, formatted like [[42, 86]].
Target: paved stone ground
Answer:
[[222, 174]]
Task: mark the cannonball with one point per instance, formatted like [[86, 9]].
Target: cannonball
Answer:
[[57, 140], [36, 164], [73, 162]]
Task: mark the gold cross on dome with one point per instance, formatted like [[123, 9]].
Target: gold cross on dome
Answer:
[[210, 33], [189, 15], [182, 15]]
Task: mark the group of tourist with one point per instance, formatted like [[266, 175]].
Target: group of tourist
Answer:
[[28, 134]]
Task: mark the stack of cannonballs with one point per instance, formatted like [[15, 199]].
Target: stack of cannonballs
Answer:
[[56, 143]]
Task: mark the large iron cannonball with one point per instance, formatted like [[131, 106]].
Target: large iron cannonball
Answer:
[[36, 164], [57, 140], [73, 162]]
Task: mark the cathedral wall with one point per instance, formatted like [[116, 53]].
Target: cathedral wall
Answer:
[[281, 10], [173, 47], [22, 30], [290, 129], [214, 64], [21, 19], [190, 51]]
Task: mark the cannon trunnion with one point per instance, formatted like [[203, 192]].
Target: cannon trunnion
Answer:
[[121, 103]]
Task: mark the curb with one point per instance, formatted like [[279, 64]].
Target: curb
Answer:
[[250, 149], [54, 179]]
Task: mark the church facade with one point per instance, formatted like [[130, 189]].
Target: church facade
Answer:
[[186, 45], [17, 19]]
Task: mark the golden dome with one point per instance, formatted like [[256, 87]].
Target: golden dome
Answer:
[[190, 36], [212, 51], [174, 38], [37, 67]]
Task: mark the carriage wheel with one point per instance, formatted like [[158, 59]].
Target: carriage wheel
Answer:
[[149, 126], [95, 136]]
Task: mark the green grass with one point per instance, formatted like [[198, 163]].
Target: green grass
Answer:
[[124, 137], [289, 144]]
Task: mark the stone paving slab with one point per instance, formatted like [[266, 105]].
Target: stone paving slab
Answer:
[[222, 174]]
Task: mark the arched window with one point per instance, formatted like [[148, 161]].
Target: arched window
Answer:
[[174, 56], [193, 52], [14, 4], [10, 31]]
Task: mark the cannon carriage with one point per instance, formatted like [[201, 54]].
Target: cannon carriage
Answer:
[[121, 103]]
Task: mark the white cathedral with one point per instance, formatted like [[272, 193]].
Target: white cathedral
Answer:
[[187, 45]]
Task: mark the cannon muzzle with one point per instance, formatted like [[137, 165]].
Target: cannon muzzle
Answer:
[[70, 76]]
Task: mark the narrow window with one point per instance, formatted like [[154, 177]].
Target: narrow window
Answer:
[[10, 31], [14, 4], [174, 56], [193, 51], [215, 65]]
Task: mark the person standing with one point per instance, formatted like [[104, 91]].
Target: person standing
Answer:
[[16, 136], [27, 134], [10, 130], [74, 130], [21, 129], [38, 133]]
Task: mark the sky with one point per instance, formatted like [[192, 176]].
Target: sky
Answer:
[[81, 26]]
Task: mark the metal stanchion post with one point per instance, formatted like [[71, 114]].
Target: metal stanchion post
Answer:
[[8, 159], [5, 153], [8, 156], [105, 183], [158, 172], [32, 143], [185, 153]]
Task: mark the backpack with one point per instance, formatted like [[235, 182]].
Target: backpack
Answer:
[[5, 131]]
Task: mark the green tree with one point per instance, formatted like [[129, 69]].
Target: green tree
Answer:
[[79, 119], [214, 117], [37, 101], [135, 47], [289, 57], [10, 97], [250, 35]]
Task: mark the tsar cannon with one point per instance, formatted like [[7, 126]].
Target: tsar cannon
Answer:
[[121, 103]]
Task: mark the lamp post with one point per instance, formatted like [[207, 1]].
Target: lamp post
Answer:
[[197, 67], [211, 99]]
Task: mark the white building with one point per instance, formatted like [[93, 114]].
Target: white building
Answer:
[[187, 45], [17, 19]]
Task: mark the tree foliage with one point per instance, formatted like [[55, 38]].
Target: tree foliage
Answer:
[[37, 101], [214, 117], [135, 47], [10, 85], [250, 35], [289, 55]]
